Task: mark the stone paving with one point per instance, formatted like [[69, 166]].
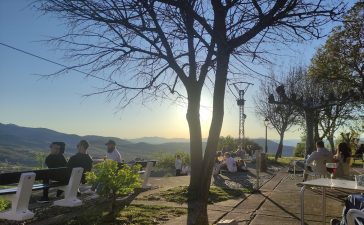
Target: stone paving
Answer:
[[277, 203]]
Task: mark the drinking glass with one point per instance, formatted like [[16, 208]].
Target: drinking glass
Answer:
[[331, 168]]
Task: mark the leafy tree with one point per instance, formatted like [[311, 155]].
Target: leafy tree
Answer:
[[341, 59], [281, 117], [114, 182], [342, 56], [227, 144], [155, 48], [352, 138]]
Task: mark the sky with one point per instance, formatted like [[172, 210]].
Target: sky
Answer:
[[58, 103]]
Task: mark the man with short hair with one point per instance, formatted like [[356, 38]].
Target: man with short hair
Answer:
[[112, 152], [54, 160], [81, 159], [319, 158]]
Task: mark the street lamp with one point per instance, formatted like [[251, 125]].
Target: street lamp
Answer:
[[266, 122]]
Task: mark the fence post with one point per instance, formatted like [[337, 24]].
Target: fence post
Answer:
[[257, 159]]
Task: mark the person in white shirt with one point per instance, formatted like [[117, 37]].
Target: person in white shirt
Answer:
[[178, 165], [112, 152], [230, 163], [318, 160]]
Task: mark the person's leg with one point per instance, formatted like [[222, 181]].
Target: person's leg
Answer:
[[178, 172], [44, 198]]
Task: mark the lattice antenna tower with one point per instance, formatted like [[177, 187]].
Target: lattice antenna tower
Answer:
[[240, 90]]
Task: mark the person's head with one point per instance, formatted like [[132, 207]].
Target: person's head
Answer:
[[55, 148], [320, 144], [218, 153], [178, 157], [227, 155], [344, 150], [62, 146], [82, 146], [110, 145]]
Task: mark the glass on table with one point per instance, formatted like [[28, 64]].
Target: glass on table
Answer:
[[331, 168]]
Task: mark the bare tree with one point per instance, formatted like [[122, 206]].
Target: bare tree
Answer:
[[281, 117], [158, 47]]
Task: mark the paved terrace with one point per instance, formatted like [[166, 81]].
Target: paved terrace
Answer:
[[277, 203]]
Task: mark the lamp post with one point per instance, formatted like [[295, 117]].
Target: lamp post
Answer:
[[266, 122]]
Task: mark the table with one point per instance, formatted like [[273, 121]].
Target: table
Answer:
[[326, 183]]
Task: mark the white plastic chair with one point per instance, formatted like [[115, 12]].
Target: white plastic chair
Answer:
[[20, 200], [70, 191]]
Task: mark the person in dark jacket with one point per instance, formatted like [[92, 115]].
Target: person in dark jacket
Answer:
[[55, 159], [81, 159]]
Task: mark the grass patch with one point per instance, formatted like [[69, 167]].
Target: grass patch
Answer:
[[180, 194], [4, 204], [133, 214], [357, 163], [284, 161], [148, 214]]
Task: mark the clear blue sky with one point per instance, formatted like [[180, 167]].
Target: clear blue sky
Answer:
[[58, 103]]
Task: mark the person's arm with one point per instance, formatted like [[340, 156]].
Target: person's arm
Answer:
[[118, 157]]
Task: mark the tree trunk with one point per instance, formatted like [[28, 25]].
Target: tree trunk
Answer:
[[280, 147], [332, 143], [193, 119], [310, 144], [197, 207]]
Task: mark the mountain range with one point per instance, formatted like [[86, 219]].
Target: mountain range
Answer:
[[20, 144]]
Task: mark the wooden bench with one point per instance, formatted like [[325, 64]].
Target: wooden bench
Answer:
[[62, 178]]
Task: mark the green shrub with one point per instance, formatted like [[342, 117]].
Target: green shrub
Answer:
[[299, 151], [4, 204], [114, 182], [166, 160]]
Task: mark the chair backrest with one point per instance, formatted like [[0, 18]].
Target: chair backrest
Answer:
[[74, 182], [24, 190]]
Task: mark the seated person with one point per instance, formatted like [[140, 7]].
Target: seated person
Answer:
[[240, 153], [343, 159], [351, 202], [318, 160], [54, 160], [229, 163], [185, 169], [81, 159]]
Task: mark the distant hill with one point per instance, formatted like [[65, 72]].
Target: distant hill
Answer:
[[19, 144], [158, 140], [272, 147]]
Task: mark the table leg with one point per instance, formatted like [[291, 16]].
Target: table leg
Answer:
[[302, 196], [323, 205], [294, 168]]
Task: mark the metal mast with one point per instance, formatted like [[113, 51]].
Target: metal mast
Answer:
[[241, 88]]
